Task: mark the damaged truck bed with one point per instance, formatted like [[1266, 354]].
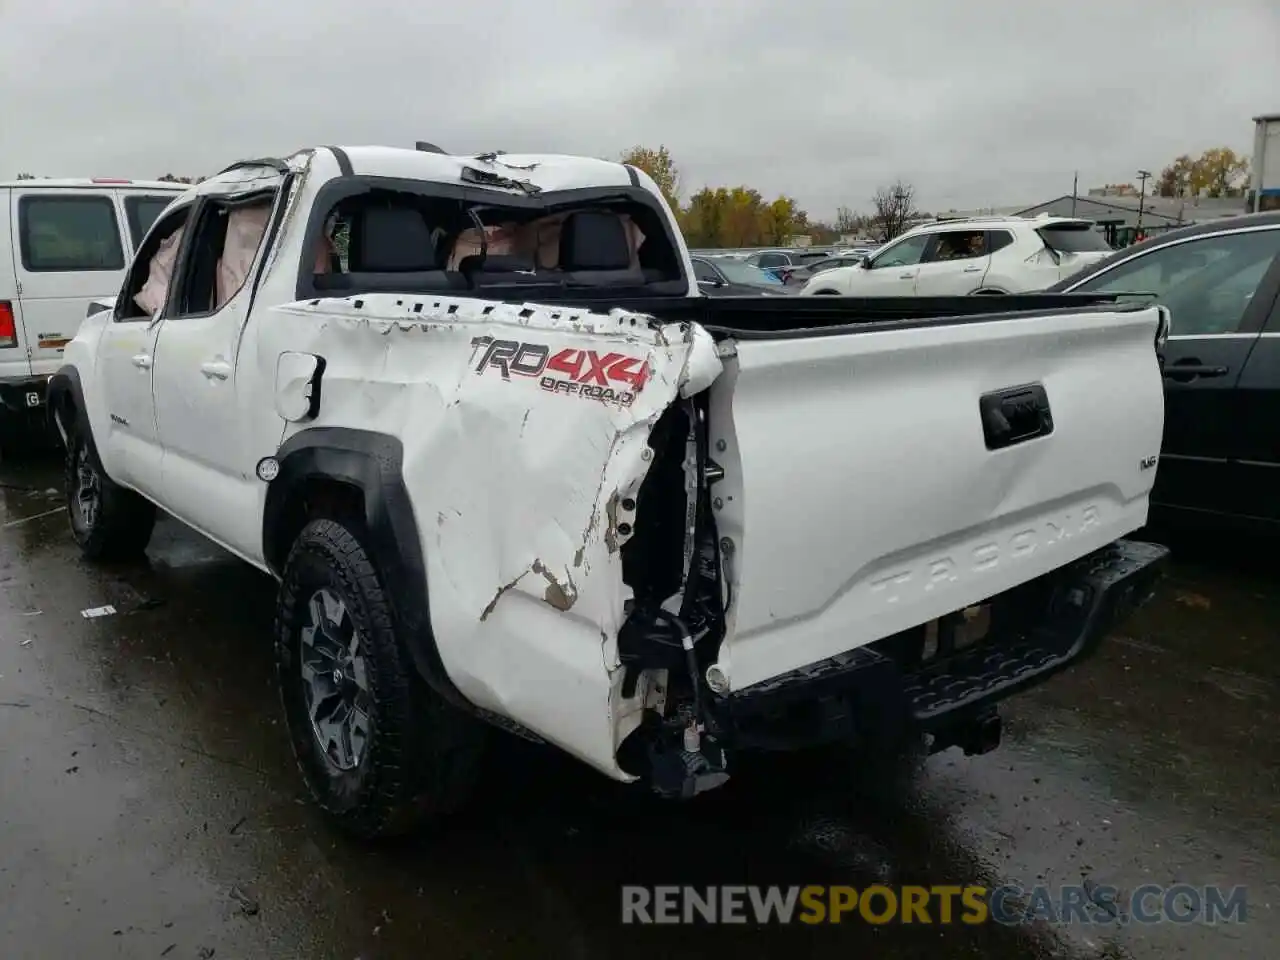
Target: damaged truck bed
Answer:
[[574, 501]]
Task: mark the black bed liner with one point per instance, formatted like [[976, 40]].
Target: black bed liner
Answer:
[[767, 317]]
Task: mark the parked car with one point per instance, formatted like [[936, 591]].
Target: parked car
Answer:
[[63, 243], [961, 257], [781, 262], [725, 277], [520, 474], [1220, 457], [796, 277]]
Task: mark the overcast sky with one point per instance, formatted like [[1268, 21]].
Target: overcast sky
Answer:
[[984, 102]]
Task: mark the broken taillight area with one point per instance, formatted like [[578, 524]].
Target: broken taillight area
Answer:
[[675, 620]]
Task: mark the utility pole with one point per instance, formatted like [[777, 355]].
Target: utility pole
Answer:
[[1075, 185], [1143, 177]]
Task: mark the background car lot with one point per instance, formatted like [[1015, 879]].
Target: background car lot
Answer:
[[142, 813], [978, 255], [726, 277], [1220, 458]]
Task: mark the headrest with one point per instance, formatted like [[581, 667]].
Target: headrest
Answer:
[[594, 240], [395, 240]]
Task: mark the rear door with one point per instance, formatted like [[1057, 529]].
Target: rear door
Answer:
[[954, 265], [1257, 413], [1210, 284], [69, 249], [14, 364]]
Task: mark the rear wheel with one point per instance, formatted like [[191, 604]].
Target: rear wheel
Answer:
[[108, 521], [379, 750]]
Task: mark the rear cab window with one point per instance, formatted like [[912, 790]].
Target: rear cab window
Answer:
[[69, 232], [371, 234], [1079, 237]]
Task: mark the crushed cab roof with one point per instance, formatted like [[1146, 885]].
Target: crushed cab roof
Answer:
[[541, 172]]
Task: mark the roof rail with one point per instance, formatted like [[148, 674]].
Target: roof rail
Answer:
[[991, 216]]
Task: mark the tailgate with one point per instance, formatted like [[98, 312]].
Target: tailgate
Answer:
[[878, 479]]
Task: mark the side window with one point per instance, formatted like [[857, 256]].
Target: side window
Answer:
[[998, 240], [959, 245], [146, 288], [220, 254], [704, 271], [904, 253], [141, 212], [773, 260], [69, 233], [1207, 284]]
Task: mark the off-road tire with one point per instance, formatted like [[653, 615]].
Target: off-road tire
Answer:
[[118, 526], [421, 757]]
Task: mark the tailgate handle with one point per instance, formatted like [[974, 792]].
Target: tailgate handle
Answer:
[[1015, 415]]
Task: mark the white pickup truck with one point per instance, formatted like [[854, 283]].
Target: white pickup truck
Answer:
[[510, 469]]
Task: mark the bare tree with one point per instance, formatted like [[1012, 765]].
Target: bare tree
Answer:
[[847, 221], [894, 208]]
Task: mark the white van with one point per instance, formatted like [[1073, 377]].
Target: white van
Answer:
[[63, 243]]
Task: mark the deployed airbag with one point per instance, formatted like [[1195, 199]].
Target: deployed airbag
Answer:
[[245, 229], [153, 293]]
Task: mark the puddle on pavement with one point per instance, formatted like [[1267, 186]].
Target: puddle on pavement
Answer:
[[1154, 762]]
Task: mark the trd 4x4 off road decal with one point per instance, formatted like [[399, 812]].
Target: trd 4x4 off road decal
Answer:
[[609, 377]]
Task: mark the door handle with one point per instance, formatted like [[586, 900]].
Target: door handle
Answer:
[[142, 361], [1191, 368], [216, 369], [972, 269], [907, 276]]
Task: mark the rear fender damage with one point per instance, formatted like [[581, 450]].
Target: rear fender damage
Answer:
[[557, 464]]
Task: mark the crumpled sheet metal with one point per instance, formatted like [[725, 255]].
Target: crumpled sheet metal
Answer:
[[524, 434]]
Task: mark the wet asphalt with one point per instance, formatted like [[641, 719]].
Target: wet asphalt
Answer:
[[150, 806]]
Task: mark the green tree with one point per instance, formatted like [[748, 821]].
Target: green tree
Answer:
[[659, 165], [701, 221], [1219, 172]]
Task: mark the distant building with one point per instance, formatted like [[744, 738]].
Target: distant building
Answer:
[[1264, 173], [978, 212], [1114, 190], [1117, 216]]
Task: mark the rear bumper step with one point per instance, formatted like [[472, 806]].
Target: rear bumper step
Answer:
[[864, 688]]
